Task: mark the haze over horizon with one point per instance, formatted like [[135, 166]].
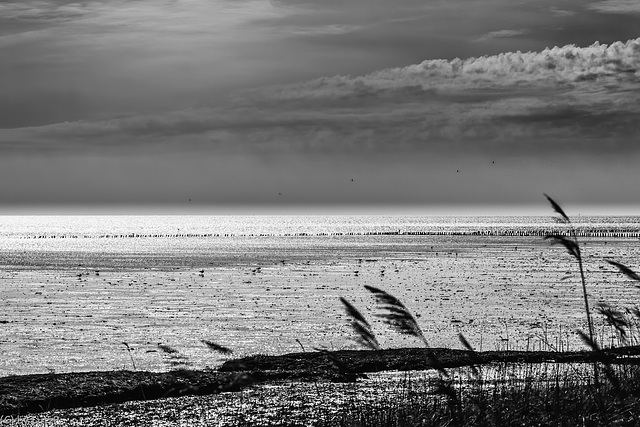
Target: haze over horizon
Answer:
[[294, 105]]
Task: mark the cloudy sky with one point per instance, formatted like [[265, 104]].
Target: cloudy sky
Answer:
[[285, 104]]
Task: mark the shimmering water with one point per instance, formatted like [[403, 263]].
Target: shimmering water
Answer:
[[114, 226], [161, 241], [74, 288]]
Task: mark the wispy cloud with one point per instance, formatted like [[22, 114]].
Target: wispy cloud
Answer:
[[63, 60], [330, 29], [43, 11], [121, 20], [501, 34], [562, 12], [616, 6]]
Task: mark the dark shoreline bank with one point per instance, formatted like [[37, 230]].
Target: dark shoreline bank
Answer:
[[20, 395]]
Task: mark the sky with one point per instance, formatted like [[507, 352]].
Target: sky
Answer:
[[278, 105]]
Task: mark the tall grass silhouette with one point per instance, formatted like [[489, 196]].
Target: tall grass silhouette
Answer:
[[173, 357], [564, 395], [625, 270], [396, 314], [129, 349], [360, 325], [217, 347], [570, 242]]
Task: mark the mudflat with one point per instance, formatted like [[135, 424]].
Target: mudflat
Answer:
[[502, 293]]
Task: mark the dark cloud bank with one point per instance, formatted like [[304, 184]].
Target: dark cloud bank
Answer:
[[491, 129]]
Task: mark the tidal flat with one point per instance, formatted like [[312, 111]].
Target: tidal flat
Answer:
[[500, 292]]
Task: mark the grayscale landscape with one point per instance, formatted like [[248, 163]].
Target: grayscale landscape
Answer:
[[319, 212]]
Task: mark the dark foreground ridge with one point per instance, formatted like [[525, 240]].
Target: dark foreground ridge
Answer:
[[24, 394]]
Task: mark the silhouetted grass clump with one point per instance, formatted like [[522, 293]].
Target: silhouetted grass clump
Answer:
[[515, 394], [509, 398]]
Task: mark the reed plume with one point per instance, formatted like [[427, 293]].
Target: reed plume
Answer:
[[625, 270], [217, 347], [616, 319], [362, 328], [571, 244], [558, 209], [175, 358], [167, 349], [397, 315], [400, 318]]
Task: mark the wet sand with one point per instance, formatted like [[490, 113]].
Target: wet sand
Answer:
[[501, 293]]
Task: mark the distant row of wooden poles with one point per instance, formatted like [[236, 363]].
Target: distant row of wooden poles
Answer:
[[541, 232]]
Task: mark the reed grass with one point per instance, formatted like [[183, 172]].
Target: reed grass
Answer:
[[129, 350], [516, 394], [360, 325], [173, 357], [570, 242], [396, 314], [217, 347]]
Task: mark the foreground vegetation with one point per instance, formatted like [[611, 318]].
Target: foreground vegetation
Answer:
[[605, 394], [519, 395], [495, 394]]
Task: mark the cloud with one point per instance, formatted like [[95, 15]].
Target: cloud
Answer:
[[70, 60], [558, 65], [331, 29], [561, 12], [501, 34], [550, 118], [564, 99], [43, 11], [616, 6], [67, 61]]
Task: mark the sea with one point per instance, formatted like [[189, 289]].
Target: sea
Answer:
[[62, 241], [100, 292]]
